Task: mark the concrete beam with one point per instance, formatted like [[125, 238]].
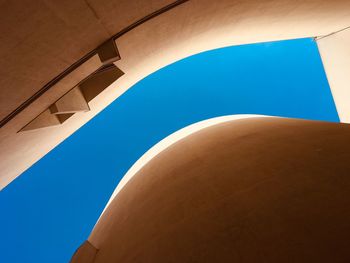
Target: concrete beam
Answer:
[[71, 102], [99, 81], [46, 119], [77, 99], [108, 52]]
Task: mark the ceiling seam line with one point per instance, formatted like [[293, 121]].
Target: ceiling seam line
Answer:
[[333, 33], [86, 57]]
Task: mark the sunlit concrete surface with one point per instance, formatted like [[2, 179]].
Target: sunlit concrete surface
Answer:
[[335, 54], [36, 36], [247, 190], [171, 139]]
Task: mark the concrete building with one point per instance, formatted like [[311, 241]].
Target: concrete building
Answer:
[[251, 190], [63, 62]]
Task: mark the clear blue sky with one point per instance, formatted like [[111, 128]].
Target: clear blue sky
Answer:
[[50, 209]]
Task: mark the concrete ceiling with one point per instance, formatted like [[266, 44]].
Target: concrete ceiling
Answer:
[[40, 39]]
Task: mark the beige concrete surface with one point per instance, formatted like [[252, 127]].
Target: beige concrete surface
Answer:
[[335, 53], [249, 190], [170, 140], [73, 101], [42, 38]]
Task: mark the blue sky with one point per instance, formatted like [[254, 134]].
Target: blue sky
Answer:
[[50, 209]]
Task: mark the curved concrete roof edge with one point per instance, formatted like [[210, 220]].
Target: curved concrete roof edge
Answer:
[[170, 140], [191, 28]]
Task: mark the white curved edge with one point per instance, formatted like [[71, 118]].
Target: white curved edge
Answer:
[[168, 141]]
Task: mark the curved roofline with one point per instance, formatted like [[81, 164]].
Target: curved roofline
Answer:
[[170, 140], [188, 29]]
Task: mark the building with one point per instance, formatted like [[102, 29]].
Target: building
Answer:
[[248, 190], [65, 61]]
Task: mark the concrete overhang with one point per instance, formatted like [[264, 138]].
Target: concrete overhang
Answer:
[[50, 48]]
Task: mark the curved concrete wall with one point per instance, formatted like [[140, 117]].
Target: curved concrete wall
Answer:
[[252, 190], [170, 140], [189, 28]]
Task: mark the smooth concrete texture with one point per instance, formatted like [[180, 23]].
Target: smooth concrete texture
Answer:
[[250, 190], [335, 54], [73, 101], [86, 253], [170, 140], [46, 119], [41, 39]]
